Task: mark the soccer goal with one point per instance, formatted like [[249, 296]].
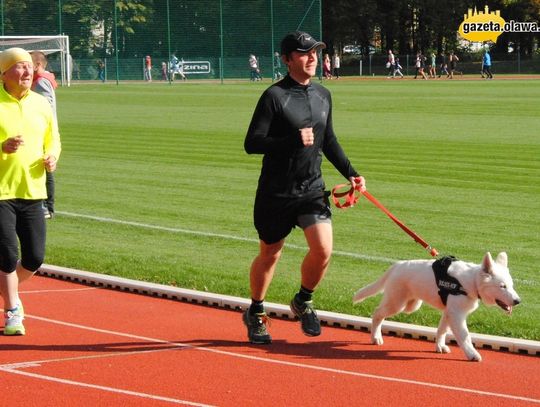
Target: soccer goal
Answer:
[[60, 64]]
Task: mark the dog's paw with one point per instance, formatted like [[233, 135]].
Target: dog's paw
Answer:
[[474, 357], [377, 340], [442, 349]]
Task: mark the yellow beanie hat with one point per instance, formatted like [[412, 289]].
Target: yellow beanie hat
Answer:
[[11, 56]]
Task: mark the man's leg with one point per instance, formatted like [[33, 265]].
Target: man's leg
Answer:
[[320, 241], [9, 285], [263, 267], [23, 274], [260, 277]]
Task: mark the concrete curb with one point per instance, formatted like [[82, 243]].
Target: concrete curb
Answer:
[[333, 319]]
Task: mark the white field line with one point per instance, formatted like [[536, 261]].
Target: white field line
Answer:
[[266, 360], [211, 234], [241, 239]]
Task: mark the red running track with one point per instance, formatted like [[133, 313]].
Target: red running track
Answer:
[[88, 346]]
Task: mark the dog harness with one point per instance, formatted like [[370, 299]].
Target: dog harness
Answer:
[[447, 284]]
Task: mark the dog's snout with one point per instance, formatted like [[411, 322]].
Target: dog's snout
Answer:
[[517, 301]]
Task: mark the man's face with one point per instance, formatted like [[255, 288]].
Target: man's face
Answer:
[[35, 61], [18, 78], [302, 65]]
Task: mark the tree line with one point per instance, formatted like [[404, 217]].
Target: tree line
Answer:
[[135, 27], [408, 26]]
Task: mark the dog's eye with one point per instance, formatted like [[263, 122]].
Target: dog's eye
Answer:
[[503, 286]]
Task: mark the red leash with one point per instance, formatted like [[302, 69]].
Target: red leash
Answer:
[[353, 194]]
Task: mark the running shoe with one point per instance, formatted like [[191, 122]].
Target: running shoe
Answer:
[[13, 322], [311, 326], [256, 327], [20, 308]]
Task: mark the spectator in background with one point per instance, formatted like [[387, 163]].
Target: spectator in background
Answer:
[[336, 63], [390, 63], [45, 84], [277, 67], [420, 66], [101, 70], [177, 67], [486, 65], [30, 146], [327, 69], [443, 66], [164, 73], [148, 68], [397, 70], [432, 66], [453, 60], [254, 70]]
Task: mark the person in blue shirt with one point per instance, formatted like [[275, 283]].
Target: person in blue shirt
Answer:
[[486, 65]]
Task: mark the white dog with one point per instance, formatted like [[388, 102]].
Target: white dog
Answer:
[[407, 283]]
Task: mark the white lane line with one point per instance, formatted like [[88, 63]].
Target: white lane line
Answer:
[[61, 290], [218, 235], [104, 388], [293, 364], [38, 363]]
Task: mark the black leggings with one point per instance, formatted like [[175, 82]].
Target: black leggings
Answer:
[[21, 220]]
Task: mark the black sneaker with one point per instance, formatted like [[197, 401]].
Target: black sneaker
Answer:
[[256, 326], [308, 317]]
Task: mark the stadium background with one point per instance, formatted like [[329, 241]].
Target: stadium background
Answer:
[[221, 32], [218, 31]]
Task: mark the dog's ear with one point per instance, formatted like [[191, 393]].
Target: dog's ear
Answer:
[[487, 263], [502, 259]]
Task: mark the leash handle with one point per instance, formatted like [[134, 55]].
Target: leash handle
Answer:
[[353, 194]]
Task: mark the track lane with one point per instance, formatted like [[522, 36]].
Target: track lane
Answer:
[[164, 349]]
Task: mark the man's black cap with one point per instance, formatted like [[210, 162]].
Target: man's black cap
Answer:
[[299, 41]]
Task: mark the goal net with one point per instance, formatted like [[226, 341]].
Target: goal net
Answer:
[[56, 47]]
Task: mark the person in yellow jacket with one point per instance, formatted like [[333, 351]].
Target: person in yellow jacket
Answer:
[[30, 146]]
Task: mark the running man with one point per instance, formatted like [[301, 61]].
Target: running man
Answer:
[[30, 146], [292, 128]]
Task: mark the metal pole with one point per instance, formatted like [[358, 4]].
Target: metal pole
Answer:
[[2, 15], [116, 43], [59, 17], [168, 42], [272, 38], [320, 38], [222, 58]]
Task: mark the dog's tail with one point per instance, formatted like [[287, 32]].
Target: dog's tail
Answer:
[[372, 289]]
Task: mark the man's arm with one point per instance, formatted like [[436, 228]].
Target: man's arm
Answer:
[[45, 88], [258, 138], [334, 152]]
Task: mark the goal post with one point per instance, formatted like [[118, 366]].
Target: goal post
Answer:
[[50, 44]]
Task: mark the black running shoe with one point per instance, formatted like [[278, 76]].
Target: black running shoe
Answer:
[[308, 317], [256, 326]]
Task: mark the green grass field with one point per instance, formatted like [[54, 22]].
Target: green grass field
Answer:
[[154, 185]]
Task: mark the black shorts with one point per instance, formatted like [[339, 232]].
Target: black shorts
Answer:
[[21, 221], [276, 217]]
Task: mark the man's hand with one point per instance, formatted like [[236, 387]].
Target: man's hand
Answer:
[[12, 144], [307, 136], [50, 162], [358, 183]]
